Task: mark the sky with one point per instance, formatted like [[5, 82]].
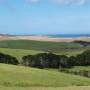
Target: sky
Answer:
[[45, 16]]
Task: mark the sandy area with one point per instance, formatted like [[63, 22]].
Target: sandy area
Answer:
[[43, 38]]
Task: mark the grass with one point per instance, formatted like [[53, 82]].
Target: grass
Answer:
[[18, 53], [56, 47], [20, 48], [25, 78], [79, 68], [18, 76], [46, 88]]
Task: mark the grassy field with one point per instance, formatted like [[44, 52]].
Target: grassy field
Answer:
[[18, 76], [56, 47], [25, 78], [79, 68], [46, 88], [18, 53]]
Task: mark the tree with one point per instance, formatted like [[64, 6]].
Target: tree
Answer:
[[84, 58], [73, 61], [8, 59], [53, 60], [28, 60], [64, 61]]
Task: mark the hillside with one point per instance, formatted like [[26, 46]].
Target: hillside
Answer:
[[18, 76], [41, 46], [18, 53], [47, 88]]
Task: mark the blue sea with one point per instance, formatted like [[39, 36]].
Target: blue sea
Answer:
[[68, 35]]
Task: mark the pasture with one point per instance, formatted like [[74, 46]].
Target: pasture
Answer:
[[18, 76], [20, 48], [55, 47], [79, 68], [26, 78], [47, 88], [19, 53]]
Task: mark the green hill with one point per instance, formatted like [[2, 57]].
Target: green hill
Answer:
[[46, 88], [18, 76], [23, 47], [40, 45], [18, 53]]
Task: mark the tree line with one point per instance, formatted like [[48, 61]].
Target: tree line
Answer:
[[48, 60], [8, 59]]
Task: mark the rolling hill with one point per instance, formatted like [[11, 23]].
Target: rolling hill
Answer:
[[18, 76], [40, 45]]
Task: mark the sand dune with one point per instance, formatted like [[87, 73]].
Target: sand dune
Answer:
[[43, 38]]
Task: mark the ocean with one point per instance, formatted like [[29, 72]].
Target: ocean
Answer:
[[68, 35]]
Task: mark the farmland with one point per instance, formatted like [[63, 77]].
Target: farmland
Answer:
[[56, 47]]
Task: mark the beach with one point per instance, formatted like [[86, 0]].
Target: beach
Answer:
[[44, 38]]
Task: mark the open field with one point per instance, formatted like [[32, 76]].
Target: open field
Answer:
[[25, 78], [18, 76], [55, 47], [79, 68], [20, 48], [46, 88], [19, 53]]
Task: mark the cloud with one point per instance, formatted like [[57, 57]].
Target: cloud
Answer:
[[61, 2], [70, 2]]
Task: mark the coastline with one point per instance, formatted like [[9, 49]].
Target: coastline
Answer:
[[45, 38]]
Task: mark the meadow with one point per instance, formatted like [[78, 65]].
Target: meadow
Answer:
[[20, 48], [47, 88], [19, 76], [55, 47], [19, 53], [26, 78], [79, 68]]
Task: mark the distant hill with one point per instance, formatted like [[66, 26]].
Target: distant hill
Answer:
[[43, 38]]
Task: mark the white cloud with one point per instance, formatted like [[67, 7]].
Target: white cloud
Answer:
[[61, 2], [70, 2]]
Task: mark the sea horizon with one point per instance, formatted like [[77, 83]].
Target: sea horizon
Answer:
[[51, 35]]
